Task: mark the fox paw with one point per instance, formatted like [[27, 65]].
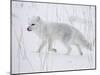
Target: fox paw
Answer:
[[53, 50]]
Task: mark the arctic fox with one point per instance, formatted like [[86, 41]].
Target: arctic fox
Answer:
[[49, 32]]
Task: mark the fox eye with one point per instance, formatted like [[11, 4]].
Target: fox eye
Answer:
[[33, 24]]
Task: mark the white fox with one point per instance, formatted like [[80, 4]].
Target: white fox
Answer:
[[49, 32]]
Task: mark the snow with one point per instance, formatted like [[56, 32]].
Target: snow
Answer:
[[25, 59]]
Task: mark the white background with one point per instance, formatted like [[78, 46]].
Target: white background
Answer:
[[5, 36]]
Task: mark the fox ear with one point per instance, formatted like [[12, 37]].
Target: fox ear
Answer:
[[38, 18]]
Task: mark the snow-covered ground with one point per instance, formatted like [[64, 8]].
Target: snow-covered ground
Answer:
[[25, 44]]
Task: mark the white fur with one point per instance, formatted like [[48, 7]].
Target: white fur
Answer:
[[49, 32]]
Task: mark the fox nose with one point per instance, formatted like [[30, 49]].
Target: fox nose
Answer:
[[28, 29]]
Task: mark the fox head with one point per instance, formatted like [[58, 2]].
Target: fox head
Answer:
[[34, 23]]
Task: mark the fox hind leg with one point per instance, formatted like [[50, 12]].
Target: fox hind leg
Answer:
[[68, 46], [69, 50]]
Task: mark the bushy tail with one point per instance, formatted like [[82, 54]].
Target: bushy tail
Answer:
[[82, 41], [86, 44]]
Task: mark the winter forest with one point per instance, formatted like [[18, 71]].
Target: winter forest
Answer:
[[26, 59]]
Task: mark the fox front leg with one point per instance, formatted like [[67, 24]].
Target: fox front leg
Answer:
[[50, 43], [69, 50], [42, 45]]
